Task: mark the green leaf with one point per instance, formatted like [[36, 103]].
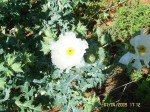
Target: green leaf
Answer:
[[1, 51], [56, 74], [101, 53], [98, 31], [2, 68], [104, 39], [10, 59], [2, 83], [48, 33], [17, 67], [65, 86], [7, 94], [45, 48], [81, 28], [28, 104]]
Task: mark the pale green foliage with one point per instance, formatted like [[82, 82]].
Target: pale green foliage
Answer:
[[2, 83], [47, 39], [45, 48], [6, 92], [81, 29], [10, 65], [16, 67], [27, 105]]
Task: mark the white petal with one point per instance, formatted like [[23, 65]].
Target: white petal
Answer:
[[81, 64], [127, 58], [135, 41], [137, 64], [140, 40]]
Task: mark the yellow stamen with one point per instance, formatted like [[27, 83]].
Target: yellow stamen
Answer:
[[70, 51], [141, 49]]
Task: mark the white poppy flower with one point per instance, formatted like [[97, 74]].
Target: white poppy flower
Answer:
[[127, 58], [141, 45], [68, 51]]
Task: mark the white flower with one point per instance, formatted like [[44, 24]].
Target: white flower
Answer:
[[141, 44], [68, 51], [127, 58]]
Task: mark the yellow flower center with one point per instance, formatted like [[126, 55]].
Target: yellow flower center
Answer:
[[70, 51], [141, 49]]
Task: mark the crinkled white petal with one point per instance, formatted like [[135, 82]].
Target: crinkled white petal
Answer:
[[137, 64], [140, 39], [127, 58], [81, 64], [58, 51]]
